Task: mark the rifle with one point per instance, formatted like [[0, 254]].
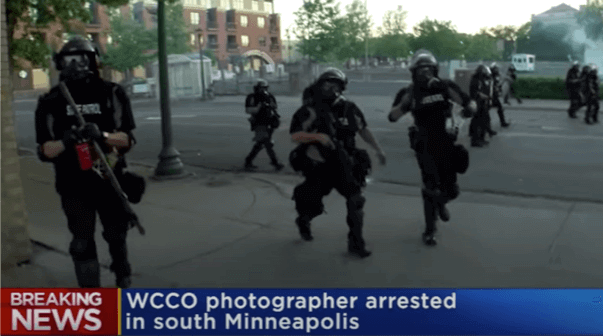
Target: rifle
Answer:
[[342, 155], [105, 166]]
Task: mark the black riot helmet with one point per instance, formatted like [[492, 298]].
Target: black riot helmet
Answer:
[[576, 65], [333, 74], [586, 69], [593, 70], [494, 69], [261, 85], [483, 71], [512, 68], [82, 47], [423, 58]]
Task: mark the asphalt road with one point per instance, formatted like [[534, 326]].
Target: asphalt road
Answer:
[[542, 154]]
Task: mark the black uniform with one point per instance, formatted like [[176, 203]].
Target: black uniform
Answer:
[[84, 193], [480, 124], [435, 147], [513, 76], [573, 86], [496, 98], [263, 123], [326, 172], [592, 98]]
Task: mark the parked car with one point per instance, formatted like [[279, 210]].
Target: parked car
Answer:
[[137, 87]]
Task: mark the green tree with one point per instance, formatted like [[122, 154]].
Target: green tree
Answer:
[[394, 22], [176, 30], [480, 47], [439, 37], [355, 31], [591, 19], [319, 28], [33, 15], [131, 41]]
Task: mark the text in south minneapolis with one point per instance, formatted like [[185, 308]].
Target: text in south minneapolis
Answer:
[[258, 312]]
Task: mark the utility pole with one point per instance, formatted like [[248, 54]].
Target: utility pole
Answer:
[[169, 157], [201, 64]]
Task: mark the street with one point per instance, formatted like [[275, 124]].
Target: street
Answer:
[[543, 153], [529, 214]]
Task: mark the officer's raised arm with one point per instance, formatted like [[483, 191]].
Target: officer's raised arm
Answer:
[[401, 105]]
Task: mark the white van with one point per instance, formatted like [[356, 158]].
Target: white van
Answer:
[[524, 62]]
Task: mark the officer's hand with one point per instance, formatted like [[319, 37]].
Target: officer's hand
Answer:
[[71, 137], [382, 158], [92, 132], [471, 108], [326, 141]]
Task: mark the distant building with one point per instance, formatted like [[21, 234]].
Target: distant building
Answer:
[[565, 14], [235, 30]]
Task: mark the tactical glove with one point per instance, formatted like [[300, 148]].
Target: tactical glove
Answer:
[[92, 132], [71, 137]]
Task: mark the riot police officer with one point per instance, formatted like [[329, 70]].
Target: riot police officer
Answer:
[[573, 85], [592, 95], [84, 194], [511, 77], [327, 156], [480, 90], [262, 106], [496, 97], [429, 99]]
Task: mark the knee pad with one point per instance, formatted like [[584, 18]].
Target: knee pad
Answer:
[[83, 249], [307, 206], [356, 202]]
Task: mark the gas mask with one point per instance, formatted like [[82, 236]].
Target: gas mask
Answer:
[[76, 67], [424, 76], [330, 90]]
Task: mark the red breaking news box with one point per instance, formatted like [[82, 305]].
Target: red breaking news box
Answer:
[[59, 311]]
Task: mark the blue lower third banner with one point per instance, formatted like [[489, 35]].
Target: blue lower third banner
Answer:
[[361, 312]]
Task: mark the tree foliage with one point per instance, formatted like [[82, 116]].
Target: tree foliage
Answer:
[[176, 30], [480, 47], [440, 37], [131, 40], [354, 32], [30, 16], [591, 19], [394, 22], [320, 29]]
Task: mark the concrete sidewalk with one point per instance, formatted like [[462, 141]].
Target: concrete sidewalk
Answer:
[[219, 229]]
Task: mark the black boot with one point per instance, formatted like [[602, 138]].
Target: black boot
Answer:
[[443, 212], [504, 124], [254, 152], [355, 221], [119, 254], [430, 210], [303, 225], [87, 273]]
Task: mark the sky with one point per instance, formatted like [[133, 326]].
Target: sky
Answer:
[[467, 15]]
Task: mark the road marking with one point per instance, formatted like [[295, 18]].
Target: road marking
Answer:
[[557, 136], [174, 116], [548, 128]]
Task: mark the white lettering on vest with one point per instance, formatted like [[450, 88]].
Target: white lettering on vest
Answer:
[[432, 99], [85, 109]]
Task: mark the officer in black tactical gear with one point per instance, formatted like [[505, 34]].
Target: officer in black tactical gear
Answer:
[[573, 83], [512, 76], [262, 106], [481, 90], [591, 94], [325, 129], [497, 90], [429, 99], [84, 194]]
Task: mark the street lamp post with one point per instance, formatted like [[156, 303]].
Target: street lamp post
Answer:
[[201, 64], [169, 157], [366, 41]]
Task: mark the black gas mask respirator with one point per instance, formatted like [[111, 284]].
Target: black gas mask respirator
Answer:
[[76, 67]]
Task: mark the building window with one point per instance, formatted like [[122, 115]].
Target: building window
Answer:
[[261, 22], [193, 39], [195, 18], [262, 41], [244, 40], [254, 5], [109, 39], [267, 6], [238, 4], [243, 20]]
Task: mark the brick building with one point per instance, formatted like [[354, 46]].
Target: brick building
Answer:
[[235, 30], [55, 36]]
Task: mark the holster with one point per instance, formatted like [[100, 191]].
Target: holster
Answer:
[[299, 160], [362, 165]]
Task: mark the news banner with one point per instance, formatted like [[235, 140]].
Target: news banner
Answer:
[[110, 311]]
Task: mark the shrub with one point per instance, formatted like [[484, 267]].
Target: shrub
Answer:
[[543, 88]]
